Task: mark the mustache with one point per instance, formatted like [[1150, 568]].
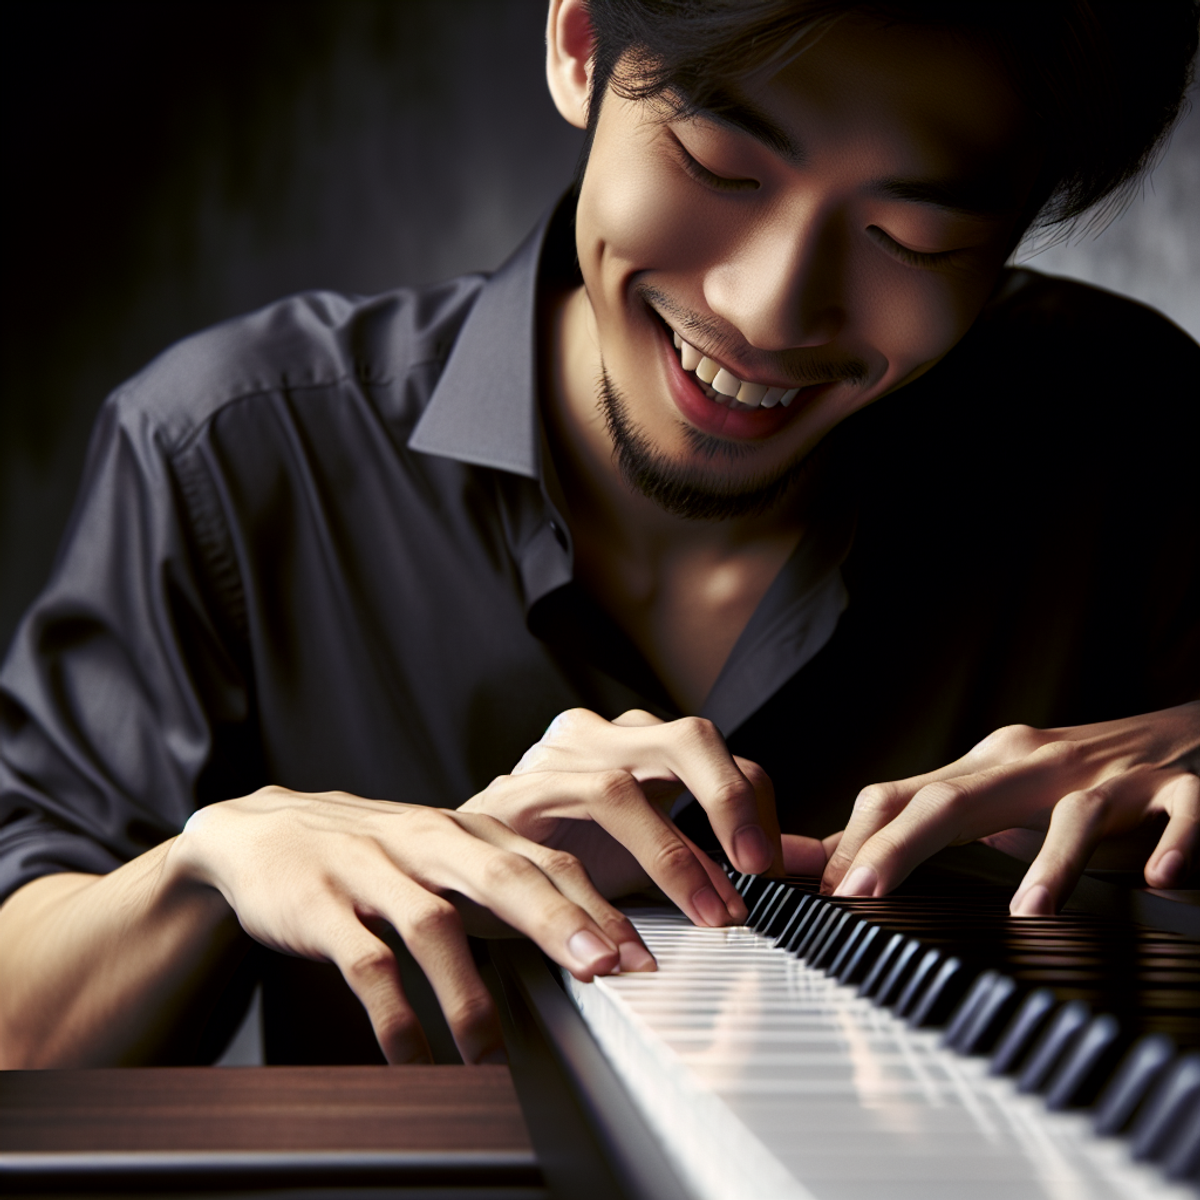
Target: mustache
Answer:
[[715, 336]]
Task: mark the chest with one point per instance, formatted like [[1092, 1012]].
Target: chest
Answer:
[[685, 614]]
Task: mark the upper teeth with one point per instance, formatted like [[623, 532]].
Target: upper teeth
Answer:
[[752, 395]]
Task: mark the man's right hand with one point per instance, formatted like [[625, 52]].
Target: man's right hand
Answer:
[[310, 874], [603, 790]]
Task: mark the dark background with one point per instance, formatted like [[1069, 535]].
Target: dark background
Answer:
[[174, 163]]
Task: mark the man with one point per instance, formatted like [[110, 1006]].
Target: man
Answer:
[[768, 480]]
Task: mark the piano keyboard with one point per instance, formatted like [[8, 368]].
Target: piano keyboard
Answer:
[[910, 1047]]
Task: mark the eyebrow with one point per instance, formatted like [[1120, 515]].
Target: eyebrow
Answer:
[[972, 198], [727, 108]]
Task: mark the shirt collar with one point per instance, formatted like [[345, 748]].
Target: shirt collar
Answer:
[[483, 409]]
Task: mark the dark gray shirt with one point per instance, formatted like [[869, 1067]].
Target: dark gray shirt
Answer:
[[313, 548]]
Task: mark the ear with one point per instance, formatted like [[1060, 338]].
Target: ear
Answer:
[[569, 46]]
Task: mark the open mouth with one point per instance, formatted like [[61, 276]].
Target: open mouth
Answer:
[[722, 387]]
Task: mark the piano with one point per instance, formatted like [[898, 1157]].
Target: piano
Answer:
[[922, 1045]]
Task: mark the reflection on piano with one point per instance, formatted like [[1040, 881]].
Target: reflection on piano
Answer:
[[923, 1045]]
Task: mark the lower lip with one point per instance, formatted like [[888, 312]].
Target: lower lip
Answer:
[[735, 424]]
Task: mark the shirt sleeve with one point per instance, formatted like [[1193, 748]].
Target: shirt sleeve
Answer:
[[124, 700]]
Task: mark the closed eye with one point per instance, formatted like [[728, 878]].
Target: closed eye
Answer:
[[914, 258], [701, 174]]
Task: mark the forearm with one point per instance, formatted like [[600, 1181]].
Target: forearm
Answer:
[[102, 970]]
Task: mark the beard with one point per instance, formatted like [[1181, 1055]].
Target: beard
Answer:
[[696, 493]]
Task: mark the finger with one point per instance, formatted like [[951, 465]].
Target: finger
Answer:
[[874, 808], [690, 751], [617, 805], [803, 855], [432, 930], [1174, 858], [637, 717], [768, 815], [1078, 822], [569, 875], [739, 800], [722, 884], [891, 830], [511, 885], [370, 970]]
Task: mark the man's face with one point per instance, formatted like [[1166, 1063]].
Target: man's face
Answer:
[[835, 228]]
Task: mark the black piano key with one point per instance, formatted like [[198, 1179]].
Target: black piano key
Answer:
[[1089, 1062], [921, 974], [768, 897], [817, 911], [848, 947], [981, 1033], [1167, 1110], [940, 996], [1137, 1075], [882, 964], [823, 954], [1021, 1031], [971, 1003], [751, 887], [1182, 1159], [813, 934], [1056, 1041], [903, 962], [862, 961], [778, 922], [807, 902]]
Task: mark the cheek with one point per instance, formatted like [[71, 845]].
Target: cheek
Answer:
[[915, 318], [639, 214]]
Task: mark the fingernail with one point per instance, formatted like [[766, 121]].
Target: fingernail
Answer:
[[1032, 902], [708, 905], [751, 849], [862, 881], [588, 949], [1169, 869], [636, 958]]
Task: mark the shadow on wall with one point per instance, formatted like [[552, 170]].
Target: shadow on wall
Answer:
[[175, 164]]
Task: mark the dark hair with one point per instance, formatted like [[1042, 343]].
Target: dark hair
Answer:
[[1104, 79]]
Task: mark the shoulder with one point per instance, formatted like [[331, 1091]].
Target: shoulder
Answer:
[[1113, 325], [313, 340]]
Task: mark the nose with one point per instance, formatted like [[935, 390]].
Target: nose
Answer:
[[782, 285]]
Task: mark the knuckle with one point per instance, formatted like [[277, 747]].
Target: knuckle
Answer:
[[943, 795], [879, 801], [673, 858], [1012, 741], [1092, 805], [617, 927], [502, 870], [469, 1011], [614, 788], [430, 920], [367, 963], [559, 863], [398, 1027], [697, 732], [1063, 755], [731, 794]]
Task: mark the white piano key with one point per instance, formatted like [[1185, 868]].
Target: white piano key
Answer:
[[766, 1080]]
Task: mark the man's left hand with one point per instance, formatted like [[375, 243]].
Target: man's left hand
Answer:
[[1108, 786]]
